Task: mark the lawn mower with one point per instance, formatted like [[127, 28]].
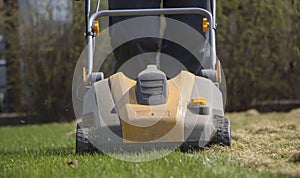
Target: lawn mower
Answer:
[[152, 110]]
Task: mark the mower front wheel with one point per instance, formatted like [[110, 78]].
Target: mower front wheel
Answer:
[[223, 135], [83, 144]]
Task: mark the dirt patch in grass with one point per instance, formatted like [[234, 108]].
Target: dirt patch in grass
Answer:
[[266, 141]]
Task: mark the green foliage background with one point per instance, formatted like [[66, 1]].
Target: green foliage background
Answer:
[[259, 46], [258, 43]]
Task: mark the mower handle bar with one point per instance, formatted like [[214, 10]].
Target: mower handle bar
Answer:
[[147, 12]]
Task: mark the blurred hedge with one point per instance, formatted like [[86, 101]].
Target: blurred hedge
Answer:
[[259, 46]]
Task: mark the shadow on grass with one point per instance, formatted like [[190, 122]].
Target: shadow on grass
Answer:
[[40, 152]]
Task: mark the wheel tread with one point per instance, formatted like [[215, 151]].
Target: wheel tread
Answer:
[[223, 132]]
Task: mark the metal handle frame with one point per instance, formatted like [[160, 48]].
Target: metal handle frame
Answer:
[[146, 12]]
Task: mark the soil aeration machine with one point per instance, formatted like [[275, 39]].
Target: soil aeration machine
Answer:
[[152, 111]]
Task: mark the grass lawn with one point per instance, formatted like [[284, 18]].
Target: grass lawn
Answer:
[[264, 145]]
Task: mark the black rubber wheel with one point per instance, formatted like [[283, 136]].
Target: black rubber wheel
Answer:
[[223, 135], [83, 144]]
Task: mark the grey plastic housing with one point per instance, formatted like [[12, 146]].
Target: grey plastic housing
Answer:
[[152, 87], [95, 77], [209, 74]]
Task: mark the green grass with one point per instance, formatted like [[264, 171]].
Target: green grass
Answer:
[[44, 150]]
